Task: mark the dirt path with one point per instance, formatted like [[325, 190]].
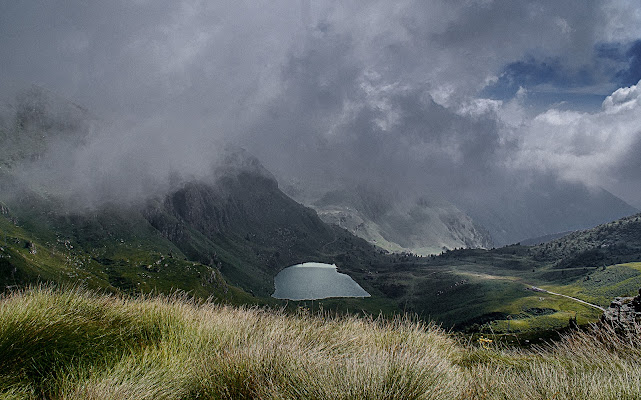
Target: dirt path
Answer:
[[538, 289], [328, 243], [533, 288]]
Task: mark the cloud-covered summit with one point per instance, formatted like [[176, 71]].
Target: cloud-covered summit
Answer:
[[448, 97]]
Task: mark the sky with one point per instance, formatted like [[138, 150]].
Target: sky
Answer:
[[431, 96]]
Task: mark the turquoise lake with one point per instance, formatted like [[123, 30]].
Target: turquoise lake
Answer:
[[313, 281]]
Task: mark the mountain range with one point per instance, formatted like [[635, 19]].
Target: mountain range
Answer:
[[421, 226], [228, 232]]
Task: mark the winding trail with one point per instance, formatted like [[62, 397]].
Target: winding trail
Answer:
[[534, 288], [328, 243], [538, 289]]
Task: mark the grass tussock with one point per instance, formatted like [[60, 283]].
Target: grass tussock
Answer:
[[79, 345]]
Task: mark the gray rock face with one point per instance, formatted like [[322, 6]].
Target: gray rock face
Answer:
[[623, 312], [397, 224]]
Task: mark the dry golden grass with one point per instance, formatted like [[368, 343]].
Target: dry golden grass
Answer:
[[78, 345]]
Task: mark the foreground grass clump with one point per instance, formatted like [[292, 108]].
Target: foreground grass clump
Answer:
[[80, 345], [75, 344], [594, 364]]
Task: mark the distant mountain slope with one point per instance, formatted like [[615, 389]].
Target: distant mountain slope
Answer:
[[237, 222], [232, 219], [545, 206], [493, 289], [483, 217], [112, 249], [244, 222], [543, 239], [37, 120], [618, 241], [422, 226]]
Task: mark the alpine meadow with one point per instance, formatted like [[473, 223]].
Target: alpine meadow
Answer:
[[320, 200]]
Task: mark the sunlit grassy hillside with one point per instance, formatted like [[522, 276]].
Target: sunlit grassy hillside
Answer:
[[80, 345]]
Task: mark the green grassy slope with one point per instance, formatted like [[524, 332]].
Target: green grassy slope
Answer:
[[251, 229], [616, 242], [109, 250], [243, 230], [602, 284], [75, 344], [239, 228], [487, 290]]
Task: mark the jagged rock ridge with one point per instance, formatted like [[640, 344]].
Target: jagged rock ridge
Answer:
[[421, 226]]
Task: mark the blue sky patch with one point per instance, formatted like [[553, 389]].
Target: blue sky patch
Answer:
[[632, 74], [531, 73], [618, 64]]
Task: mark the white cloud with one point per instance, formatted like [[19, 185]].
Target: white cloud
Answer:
[[623, 99], [563, 25], [593, 148], [479, 107], [622, 21]]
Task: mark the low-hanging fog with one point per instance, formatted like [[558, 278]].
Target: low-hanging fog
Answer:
[[464, 100]]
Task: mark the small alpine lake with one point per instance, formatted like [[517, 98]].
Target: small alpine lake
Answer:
[[313, 281]]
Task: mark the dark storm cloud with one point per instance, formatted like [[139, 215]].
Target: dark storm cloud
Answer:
[[331, 92], [338, 119], [144, 58]]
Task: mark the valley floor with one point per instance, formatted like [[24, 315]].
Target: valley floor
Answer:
[[74, 344]]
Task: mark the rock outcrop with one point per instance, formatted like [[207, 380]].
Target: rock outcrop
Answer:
[[623, 311]]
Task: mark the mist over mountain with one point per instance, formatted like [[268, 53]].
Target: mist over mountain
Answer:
[[544, 206], [420, 226], [35, 122], [226, 229], [523, 116], [57, 147]]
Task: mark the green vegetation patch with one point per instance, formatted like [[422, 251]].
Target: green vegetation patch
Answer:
[[76, 344], [600, 285]]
